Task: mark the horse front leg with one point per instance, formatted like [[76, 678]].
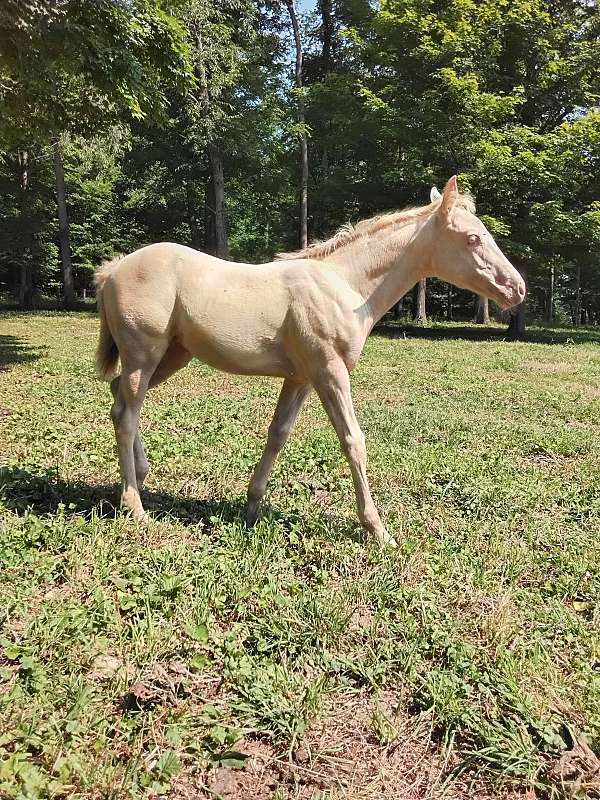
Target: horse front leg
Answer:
[[332, 384], [291, 399]]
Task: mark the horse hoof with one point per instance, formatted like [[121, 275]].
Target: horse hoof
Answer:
[[385, 540], [251, 515]]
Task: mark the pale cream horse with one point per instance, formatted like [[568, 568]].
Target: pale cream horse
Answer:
[[303, 318]]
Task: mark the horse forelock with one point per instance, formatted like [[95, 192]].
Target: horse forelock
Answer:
[[349, 233]]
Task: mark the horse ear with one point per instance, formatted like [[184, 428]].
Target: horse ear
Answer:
[[434, 194], [449, 197]]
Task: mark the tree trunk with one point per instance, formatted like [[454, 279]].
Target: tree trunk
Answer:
[[325, 161], [449, 303], [419, 301], [516, 326], [577, 315], [327, 29], [482, 314], [63, 229], [215, 197], [550, 302], [192, 214], [218, 186], [25, 285], [26, 266], [303, 138], [327, 34], [209, 217]]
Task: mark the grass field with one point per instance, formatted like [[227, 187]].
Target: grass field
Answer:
[[195, 658]]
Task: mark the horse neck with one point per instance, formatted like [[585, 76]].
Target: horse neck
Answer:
[[384, 266]]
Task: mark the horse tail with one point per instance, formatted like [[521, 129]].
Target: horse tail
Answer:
[[107, 352]]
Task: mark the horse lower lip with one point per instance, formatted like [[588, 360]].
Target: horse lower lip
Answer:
[[507, 302]]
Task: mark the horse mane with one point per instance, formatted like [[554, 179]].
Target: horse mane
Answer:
[[349, 233]]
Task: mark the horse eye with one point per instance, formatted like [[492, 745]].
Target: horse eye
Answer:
[[474, 240]]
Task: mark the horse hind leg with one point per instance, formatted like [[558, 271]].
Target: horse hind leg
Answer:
[[142, 467], [174, 359], [130, 392]]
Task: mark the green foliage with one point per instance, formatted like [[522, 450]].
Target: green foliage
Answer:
[[68, 66], [397, 97]]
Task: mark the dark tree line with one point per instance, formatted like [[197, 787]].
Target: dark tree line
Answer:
[[243, 128]]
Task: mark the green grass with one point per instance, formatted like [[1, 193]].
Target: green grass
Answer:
[[131, 654]]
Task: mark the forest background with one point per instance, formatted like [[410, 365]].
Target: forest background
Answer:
[[242, 128]]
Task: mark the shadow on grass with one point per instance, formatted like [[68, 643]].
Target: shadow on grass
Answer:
[[44, 492], [9, 305], [14, 350], [485, 333]]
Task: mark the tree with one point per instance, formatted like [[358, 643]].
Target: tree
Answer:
[[69, 66], [215, 202], [216, 220], [63, 228], [302, 134], [449, 308], [482, 311], [483, 91], [394, 98], [419, 301]]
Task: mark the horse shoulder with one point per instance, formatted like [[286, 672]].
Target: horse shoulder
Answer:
[[325, 314]]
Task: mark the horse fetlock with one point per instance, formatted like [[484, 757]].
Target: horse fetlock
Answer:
[[252, 511], [141, 472], [256, 489], [138, 514], [372, 523], [140, 476], [130, 500]]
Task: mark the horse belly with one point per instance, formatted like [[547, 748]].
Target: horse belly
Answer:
[[237, 357], [233, 344]]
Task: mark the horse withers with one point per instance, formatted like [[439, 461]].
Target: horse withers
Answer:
[[303, 318]]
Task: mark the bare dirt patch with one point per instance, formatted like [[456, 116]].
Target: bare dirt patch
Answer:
[[361, 750], [577, 771], [549, 462]]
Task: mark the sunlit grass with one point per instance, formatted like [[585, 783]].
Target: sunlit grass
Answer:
[[130, 654]]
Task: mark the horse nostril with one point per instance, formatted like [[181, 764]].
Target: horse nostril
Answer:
[[521, 289]]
